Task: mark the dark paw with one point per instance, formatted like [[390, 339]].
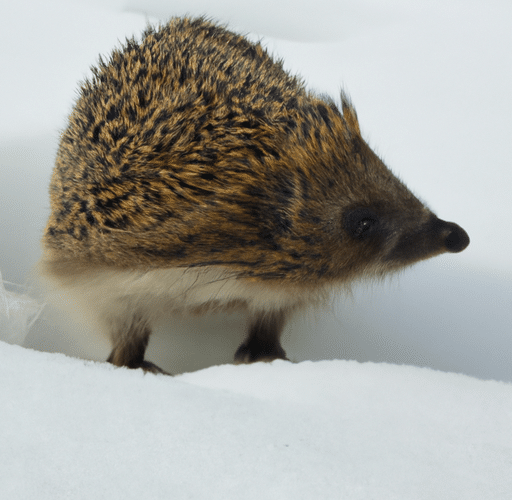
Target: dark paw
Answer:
[[251, 353], [147, 366]]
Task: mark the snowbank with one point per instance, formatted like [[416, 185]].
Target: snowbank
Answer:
[[330, 430]]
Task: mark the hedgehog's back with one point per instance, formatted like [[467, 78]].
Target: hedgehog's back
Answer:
[[149, 95], [157, 122]]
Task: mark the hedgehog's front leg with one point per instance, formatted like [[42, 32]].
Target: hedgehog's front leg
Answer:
[[130, 345], [262, 343]]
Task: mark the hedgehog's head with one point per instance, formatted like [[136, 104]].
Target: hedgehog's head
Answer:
[[387, 226], [370, 223]]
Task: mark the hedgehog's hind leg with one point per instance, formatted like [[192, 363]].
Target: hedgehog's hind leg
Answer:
[[262, 343], [130, 345]]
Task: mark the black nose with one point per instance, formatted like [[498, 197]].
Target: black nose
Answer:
[[456, 238]]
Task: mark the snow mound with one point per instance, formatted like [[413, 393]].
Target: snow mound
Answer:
[[334, 429]]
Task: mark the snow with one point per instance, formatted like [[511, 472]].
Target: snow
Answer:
[[329, 429], [430, 81]]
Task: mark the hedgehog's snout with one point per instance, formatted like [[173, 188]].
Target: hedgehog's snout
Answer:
[[431, 238], [455, 238]]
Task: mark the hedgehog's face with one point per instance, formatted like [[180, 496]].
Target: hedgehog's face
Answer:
[[382, 242], [349, 217], [385, 227]]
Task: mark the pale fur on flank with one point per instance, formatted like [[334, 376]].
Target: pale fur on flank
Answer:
[[109, 298]]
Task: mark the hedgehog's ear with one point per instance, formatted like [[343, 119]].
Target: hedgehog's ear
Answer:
[[349, 114]]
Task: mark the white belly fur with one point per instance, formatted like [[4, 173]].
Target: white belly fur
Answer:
[[109, 297]]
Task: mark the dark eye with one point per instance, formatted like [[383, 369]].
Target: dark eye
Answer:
[[360, 222]]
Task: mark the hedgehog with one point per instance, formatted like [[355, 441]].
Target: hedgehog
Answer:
[[196, 174]]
